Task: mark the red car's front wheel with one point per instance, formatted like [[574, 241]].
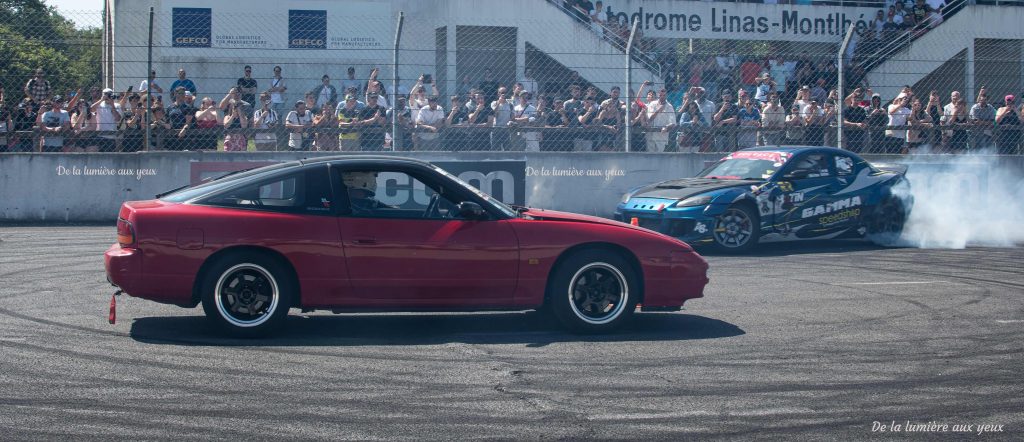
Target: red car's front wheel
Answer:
[[593, 291]]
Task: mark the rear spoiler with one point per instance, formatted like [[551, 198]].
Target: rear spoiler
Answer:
[[890, 167]]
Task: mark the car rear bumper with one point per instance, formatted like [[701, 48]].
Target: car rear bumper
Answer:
[[124, 268]]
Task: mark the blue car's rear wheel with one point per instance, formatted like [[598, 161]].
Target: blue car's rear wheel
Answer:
[[736, 230]]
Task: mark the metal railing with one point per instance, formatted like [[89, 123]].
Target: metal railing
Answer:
[[965, 138]]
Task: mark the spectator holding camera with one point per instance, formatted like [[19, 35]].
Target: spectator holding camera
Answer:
[[206, 119], [108, 115], [692, 124], [726, 117], [326, 118], [765, 85], [265, 118], [430, 120], [234, 121], [418, 96]]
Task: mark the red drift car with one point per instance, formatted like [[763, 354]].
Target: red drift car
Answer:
[[359, 233]]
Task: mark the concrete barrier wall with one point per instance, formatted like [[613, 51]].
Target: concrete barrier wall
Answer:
[[91, 187]]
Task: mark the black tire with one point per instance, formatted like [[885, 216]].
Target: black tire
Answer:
[[593, 291], [247, 295], [736, 230], [887, 221]]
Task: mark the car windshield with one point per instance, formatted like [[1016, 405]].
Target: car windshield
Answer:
[[500, 205], [188, 193], [755, 165]]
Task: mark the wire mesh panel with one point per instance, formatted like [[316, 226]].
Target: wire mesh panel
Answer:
[[522, 75]]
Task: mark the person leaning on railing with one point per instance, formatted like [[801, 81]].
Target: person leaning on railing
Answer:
[[430, 120], [1008, 124]]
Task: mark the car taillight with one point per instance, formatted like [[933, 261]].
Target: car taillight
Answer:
[[125, 233]]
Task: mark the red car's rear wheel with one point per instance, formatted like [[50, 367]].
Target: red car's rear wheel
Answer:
[[246, 295]]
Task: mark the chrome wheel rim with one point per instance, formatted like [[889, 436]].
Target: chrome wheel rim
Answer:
[[598, 293], [734, 229], [246, 295]]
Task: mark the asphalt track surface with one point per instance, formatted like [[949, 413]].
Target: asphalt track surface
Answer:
[[815, 341]]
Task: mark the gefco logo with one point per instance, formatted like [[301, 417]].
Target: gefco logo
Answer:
[[307, 42], [198, 41], [831, 207]]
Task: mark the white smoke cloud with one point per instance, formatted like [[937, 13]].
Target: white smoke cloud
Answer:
[[964, 200]]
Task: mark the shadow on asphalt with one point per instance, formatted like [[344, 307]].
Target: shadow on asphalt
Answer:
[[529, 328], [802, 248]]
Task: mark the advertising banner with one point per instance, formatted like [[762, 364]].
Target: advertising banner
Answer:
[[191, 27]]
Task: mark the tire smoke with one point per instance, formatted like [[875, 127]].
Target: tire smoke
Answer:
[[963, 200]]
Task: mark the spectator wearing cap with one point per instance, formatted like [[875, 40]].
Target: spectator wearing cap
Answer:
[[429, 121], [247, 85], [750, 70], [1008, 122], [108, 115], [348, 120], [297, 122], [983, 117], [418, 96], [53, 123], [149, 86], [38, 88], [184, 82]]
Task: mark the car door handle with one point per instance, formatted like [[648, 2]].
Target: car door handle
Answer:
[[364, 241]]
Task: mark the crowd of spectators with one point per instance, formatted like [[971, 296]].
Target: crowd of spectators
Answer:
[[723, 104]]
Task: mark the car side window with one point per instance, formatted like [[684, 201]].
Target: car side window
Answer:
[[389, 193], [308, 191], [812, 165], [844, 165]]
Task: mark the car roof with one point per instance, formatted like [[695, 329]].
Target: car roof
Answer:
[[793, 150], [363, 159]]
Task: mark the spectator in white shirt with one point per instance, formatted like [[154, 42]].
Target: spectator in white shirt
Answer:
[[662, 117], [524, 114], [146, 85], [429, 120]]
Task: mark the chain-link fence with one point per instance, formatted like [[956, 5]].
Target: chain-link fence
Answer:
[[917, 77]]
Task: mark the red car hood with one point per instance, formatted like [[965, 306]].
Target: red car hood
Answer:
[[554, 215]]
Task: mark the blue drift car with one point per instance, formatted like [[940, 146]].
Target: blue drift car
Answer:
[[775, 194]]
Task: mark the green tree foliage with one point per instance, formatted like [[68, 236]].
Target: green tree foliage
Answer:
[[33, 35]]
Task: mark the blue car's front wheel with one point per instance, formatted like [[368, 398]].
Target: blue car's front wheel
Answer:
[[736, 230]]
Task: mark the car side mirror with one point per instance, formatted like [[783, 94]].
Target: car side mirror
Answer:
[[798, 174], [470, 210]]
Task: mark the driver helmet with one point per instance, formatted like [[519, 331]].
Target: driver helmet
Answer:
[[361, 180]]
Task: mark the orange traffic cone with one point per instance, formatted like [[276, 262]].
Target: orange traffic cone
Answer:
[[634, 221]]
